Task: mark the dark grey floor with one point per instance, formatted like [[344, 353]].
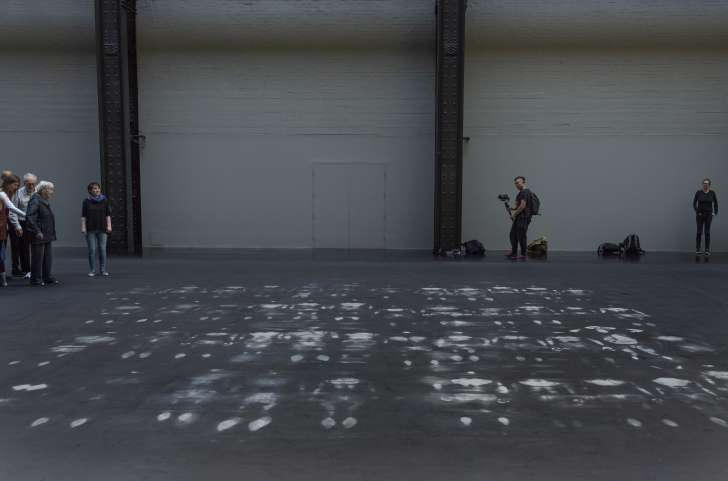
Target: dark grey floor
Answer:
[[335, 366]]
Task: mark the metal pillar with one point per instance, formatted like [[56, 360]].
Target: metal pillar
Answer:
[[116, 61], [449, 124]]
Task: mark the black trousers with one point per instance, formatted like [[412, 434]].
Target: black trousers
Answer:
[[519, 234], [42, 262], [20, 246], [704, 220]]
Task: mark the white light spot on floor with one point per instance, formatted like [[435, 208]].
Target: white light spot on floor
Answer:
[[620, 339], [180, 355], [635, 423], [128, 354], [78, 423], [349, 423], [30, 387], [13, 363], [187, 418], [145, 355], [259, 424], [466, 421], [605, 382], [671, 382], [164, 416], [323, 358], [471, 382], [539, 383], [39, 422], [228, 424], [408, 363], [722, 375], [296, 358], [670, 339], [719, 422], [207, 355], [328, 423], [670, 423], [44, 363], [504, 421]]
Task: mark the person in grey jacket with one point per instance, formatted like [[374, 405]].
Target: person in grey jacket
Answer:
[[41, 225], [21, 241]]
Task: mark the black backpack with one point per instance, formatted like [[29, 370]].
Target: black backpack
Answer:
[[534, 204], [631, 246], [474, 248], [609, 249]]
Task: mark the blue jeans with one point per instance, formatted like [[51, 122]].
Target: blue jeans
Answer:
[[96, 241]]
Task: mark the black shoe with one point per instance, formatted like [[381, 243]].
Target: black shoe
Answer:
[[50, 282], [36, 284]]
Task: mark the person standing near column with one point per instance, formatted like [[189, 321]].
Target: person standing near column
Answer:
[[705, 204], [96, 226], [41, 224], [521, 217], [20, 242]]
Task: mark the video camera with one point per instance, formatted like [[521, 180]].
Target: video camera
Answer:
[[505, 198]]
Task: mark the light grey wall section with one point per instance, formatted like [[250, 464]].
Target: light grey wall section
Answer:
[[584, 23], [49, 125], [614, 141], [299, 24], [233, 137]]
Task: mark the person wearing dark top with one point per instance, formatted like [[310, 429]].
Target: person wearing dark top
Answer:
[[41, 225], [96, 226], [705, 204], [521, 217]]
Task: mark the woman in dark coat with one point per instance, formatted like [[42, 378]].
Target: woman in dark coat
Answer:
[[41, 224], [705, 204]]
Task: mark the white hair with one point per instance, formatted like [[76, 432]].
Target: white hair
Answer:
[[29, 176], [43, 185]]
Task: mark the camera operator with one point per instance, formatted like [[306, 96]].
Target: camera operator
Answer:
[[521, 217]]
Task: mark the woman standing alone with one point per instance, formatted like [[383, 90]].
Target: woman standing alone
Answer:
[[705, 204], [96, 226]]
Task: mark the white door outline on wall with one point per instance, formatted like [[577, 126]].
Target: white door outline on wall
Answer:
[[349, 205]]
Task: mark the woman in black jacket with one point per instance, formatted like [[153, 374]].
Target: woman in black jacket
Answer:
[[41, 224], [705, 204]]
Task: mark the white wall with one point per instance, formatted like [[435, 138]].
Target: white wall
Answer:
[[48, 101], [237, 124]]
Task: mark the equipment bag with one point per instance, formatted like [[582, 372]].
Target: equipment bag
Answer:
[[609, 249], [538, 247], [631, 246], [474, 248], [534, 204]]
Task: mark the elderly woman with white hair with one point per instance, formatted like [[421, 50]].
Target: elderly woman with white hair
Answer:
[[41, 225]]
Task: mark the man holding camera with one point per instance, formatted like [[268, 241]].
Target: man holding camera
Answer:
[[521, 217]]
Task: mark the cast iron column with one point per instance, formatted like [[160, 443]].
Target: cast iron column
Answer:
[[119, 121], [449, 124]]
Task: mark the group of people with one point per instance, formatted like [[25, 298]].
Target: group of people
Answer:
[[705, 204], [27, 221]]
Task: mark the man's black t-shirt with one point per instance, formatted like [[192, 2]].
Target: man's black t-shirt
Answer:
[[524, 195], [705, 202]]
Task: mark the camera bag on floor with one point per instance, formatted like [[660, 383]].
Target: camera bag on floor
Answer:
[[631, 246], [474, 248], [538, 248], [609, 249]]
